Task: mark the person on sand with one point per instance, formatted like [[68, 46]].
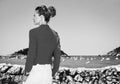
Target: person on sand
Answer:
[[44, 45]]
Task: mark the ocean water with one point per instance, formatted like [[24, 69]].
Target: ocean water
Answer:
[[77, 62]]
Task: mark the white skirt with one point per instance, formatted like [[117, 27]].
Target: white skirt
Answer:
[[40, 74]]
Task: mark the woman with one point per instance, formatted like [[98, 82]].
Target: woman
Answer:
[[43, 46]]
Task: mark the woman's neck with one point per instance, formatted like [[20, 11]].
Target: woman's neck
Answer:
[[42, 23]]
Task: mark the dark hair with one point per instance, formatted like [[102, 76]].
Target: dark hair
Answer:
[[46, 12]]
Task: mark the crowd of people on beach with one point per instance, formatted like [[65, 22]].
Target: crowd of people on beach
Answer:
[[11, 74]]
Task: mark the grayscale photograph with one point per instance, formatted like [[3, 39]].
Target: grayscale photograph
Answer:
[[59, 41]]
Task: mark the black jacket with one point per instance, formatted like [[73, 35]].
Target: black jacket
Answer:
[[43, 45]]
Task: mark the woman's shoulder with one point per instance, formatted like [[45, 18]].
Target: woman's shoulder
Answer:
[[54, 32], [34, 29]]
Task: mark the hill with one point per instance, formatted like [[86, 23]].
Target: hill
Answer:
[[114, 52]]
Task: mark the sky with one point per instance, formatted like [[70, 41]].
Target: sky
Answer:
[[85, 27]]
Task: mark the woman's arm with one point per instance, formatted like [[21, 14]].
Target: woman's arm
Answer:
[[56, 54], [56, 61], [31, 52]]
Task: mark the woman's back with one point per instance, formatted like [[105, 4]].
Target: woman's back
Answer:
[[46, 42]]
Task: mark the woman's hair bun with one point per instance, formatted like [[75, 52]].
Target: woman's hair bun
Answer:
[[52, 11], [41, 9]]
